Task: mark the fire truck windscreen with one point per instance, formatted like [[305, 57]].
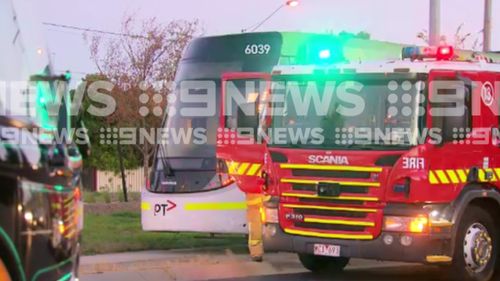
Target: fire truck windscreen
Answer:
[[372, 111]]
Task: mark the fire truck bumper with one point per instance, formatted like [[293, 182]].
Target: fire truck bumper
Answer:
[[422, 249]]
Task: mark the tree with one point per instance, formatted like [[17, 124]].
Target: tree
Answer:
[[103, 155], [141, 64], [461, 39]]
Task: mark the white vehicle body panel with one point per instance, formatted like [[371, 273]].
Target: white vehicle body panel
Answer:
[[219, 211], [387, 67]]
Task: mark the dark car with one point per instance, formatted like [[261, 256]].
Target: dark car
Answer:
[[40, 206]]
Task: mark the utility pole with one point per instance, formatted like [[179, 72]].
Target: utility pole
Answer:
[[487, 25], [434, 22], [122, 170]]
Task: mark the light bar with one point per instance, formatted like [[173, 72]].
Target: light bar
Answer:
[[421, 53]]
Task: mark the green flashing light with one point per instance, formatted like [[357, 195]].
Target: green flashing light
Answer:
[[66, 277], [325, 54], [58, 188], [67, 75]]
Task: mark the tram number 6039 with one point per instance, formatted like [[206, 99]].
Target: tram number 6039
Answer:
[[257, 49]]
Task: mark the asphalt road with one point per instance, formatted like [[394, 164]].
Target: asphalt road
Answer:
[[270, 271], [379, 274]]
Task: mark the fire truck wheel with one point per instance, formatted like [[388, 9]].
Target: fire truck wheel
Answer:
[[4, 273], [319, 264], [476, 247]]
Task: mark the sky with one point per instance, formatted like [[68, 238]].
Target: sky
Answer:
[[387, 20]]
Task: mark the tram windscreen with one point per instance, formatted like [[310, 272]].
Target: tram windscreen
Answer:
[[193, 125]]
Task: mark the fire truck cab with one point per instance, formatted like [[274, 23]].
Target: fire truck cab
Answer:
[[392, 160]]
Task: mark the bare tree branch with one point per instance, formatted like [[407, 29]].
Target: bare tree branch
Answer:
[[135, 63]]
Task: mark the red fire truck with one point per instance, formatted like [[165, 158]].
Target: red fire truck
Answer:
[[394, 160]]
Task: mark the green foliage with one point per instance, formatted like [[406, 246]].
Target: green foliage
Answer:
[[121, 197], [134, 196], [121, 232], [107, 197], [89, 197], [104, 156]]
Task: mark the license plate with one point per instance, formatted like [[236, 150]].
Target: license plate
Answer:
[[326, 250]]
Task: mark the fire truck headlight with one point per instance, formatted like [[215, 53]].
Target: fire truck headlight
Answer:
[[419, 224], [269, 215], [406, 240], [28, 216], [388, 239], [434, 214]]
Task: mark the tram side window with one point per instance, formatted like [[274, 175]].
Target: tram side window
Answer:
[[199, 123]]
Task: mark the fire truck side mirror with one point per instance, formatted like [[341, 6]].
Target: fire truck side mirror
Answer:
[[453, 124], [448, 121], [248, 124]]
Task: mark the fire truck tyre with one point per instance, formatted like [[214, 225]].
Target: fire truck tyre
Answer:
[[319, 264], [476, 247], [4, 273]]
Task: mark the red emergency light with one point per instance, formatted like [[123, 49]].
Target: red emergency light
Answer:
[[445, 53]]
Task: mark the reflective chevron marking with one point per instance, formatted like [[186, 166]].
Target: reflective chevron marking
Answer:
[[457, 176], [243, 169], [253, 170]]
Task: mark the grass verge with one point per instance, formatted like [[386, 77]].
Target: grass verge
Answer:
[[121, 232]]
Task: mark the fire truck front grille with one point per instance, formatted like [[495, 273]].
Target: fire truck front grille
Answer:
[[356, 223], [331, 174], [343, 189], [331, 201], [322, 226], [338, 202], [331, 213]]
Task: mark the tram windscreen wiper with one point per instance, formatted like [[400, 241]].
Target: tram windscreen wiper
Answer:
[[167, 170]]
